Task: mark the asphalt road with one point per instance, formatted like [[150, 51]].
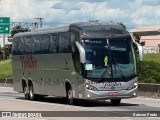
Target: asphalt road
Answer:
[[57, 109]]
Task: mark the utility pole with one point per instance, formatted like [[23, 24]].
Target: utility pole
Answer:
[[40, 20], [4, 47]]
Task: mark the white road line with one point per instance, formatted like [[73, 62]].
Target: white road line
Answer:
[[52, 104], [19, 118], [157, 118]]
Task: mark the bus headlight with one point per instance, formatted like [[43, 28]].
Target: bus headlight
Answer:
[[90, 87], [134, 85]]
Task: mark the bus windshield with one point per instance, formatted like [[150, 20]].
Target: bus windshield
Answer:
[[112, 58]]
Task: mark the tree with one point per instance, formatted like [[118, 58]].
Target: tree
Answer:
[[18, 29], [8, 47], [1, 53], [137, 39]]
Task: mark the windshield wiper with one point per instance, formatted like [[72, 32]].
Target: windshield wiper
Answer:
[[110, 72], [110, 69], [122, 75], [105, 71], [115, 63]]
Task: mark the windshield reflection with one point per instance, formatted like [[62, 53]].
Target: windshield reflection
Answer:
[[115, 61]]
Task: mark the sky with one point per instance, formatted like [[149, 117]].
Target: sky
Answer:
[[132, 13]]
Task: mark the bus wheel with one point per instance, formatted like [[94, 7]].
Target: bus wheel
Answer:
[[115, 102], [26, 94], [31, 92], [70, 98]]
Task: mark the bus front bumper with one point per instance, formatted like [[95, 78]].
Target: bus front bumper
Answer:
[[104, 95]]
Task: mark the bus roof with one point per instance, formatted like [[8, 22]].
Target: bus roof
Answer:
[[110, 28], [89, 24], [44, 31], [100, 29]]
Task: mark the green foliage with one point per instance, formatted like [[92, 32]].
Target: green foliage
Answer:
[[148, 72], [7, 48], [137, 39], [152, 57], [5, 69], [18, 29], [149, 69]]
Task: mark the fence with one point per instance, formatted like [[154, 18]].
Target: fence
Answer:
[[151, 49]]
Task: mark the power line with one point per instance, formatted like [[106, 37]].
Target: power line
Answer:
[[28, 25]]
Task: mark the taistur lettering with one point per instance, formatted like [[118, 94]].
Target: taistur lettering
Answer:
[[28, 62], [112, 84]]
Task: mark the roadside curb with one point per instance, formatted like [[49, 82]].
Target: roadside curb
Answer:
[[149, 90], [7, 82]]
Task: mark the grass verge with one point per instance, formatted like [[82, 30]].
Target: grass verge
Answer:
[[5, 69]]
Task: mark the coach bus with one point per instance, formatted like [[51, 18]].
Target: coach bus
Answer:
[[86, 60]]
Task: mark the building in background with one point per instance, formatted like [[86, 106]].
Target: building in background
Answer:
[[151, 36], [152, 44]]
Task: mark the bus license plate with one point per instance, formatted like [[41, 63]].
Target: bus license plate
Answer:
[[112, 93]]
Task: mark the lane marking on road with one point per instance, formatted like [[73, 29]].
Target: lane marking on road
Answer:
[[158, 118], [67, 106], [61, 105], [51, 104]]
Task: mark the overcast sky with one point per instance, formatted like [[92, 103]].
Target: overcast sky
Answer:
[[131, 12]]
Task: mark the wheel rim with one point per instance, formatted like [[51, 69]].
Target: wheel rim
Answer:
[[31, 93], [26, 95], [69, 94], [70, 97], [25, 91]]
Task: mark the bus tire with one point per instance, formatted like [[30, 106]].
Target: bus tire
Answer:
[[115, 102], [31, 92], [26, 94], [70, 98]]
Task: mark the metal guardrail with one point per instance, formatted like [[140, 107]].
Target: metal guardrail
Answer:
[[149, 90]]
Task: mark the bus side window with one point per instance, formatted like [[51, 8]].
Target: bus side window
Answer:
[[54, 47], [21, 45], [15, 48], [76, 58], [65, 43], [37, 44], [44, 43], [73, 37], [28, 44]]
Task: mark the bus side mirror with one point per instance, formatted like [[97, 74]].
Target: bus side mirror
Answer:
[[82, 52], [139, 49]]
